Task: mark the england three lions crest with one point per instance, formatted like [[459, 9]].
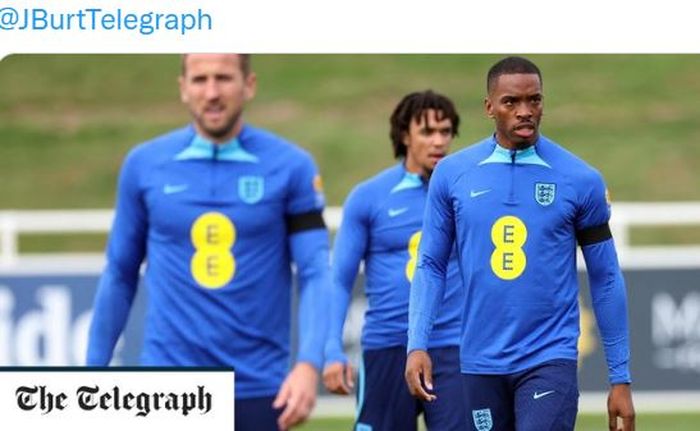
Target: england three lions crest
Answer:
[[545, 193], [482, 419], [251, 188]]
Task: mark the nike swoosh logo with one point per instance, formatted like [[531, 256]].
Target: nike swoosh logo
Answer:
[[170, 189], [473, 194], [396, 212], [538, 395]]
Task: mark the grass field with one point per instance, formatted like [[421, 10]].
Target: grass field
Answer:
[[587, 422], [67, 121]]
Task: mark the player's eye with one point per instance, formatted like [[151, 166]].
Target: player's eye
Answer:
[[224, 78]]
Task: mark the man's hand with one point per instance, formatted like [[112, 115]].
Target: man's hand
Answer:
[[297, 395], [339, 378], [620, 406], [419, 369]]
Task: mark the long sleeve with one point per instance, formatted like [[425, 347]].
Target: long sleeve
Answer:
[[125, 252], [610, 307], [309, 246], [605, 278], [428, 286], [310, 253], [348, 250]]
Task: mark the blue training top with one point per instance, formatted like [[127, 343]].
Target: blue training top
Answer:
[[381, 225], [218, 225], [516, 217]]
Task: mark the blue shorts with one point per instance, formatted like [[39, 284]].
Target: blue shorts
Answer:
[[385, 404], [256, 414], [542, 398]]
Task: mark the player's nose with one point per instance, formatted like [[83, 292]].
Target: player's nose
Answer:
[[211, 90], [523, 111], [441, 141]]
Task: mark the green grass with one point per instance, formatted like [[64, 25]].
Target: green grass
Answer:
[[672, 235], [584, 422], [53, 243], [67, 121], [644, 421]]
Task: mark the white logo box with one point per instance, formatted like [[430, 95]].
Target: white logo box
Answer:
[[117, 398]]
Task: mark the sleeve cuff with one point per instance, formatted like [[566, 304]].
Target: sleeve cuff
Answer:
[[315, 361]]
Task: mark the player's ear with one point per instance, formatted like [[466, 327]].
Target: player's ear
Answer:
[[488, 107], [183, 94], [405, 139], [251, 86]]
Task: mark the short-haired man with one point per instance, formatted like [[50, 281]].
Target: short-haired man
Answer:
[[516, 204], [219, 209]]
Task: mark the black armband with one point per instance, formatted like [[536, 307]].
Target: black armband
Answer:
[[305, 221], [593, 235]]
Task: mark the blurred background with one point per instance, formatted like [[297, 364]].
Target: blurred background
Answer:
[[66, 122]]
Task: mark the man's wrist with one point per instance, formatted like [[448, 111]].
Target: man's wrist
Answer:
[[414, 344], [416, 350], [308, 364]]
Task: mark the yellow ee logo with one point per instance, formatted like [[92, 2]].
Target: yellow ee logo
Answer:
[[413, 254], [213, 264], [508, 259]]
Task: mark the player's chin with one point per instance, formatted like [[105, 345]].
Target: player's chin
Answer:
[[523, 140], [216, 129], [433, 160]]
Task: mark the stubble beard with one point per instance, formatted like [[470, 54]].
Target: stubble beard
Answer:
[[223, 131]]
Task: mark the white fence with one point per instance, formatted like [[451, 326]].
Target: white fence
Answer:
[[626, 215]]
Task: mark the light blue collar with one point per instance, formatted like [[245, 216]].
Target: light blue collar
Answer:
[[202, 148], [409, 181], [528, 156]]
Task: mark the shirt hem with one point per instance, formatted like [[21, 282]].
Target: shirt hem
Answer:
[[468, 368]]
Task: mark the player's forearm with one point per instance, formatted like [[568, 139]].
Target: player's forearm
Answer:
[[427, 289], [115, 294], [340, 301], [310, 252], [314, 306], [347, 254], [610, 307]]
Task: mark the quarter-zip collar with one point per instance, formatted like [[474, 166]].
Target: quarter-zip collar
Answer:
[[409, 180], [202, 148], [527, 156]]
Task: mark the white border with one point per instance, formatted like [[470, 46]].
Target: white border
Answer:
[[385, 26]]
